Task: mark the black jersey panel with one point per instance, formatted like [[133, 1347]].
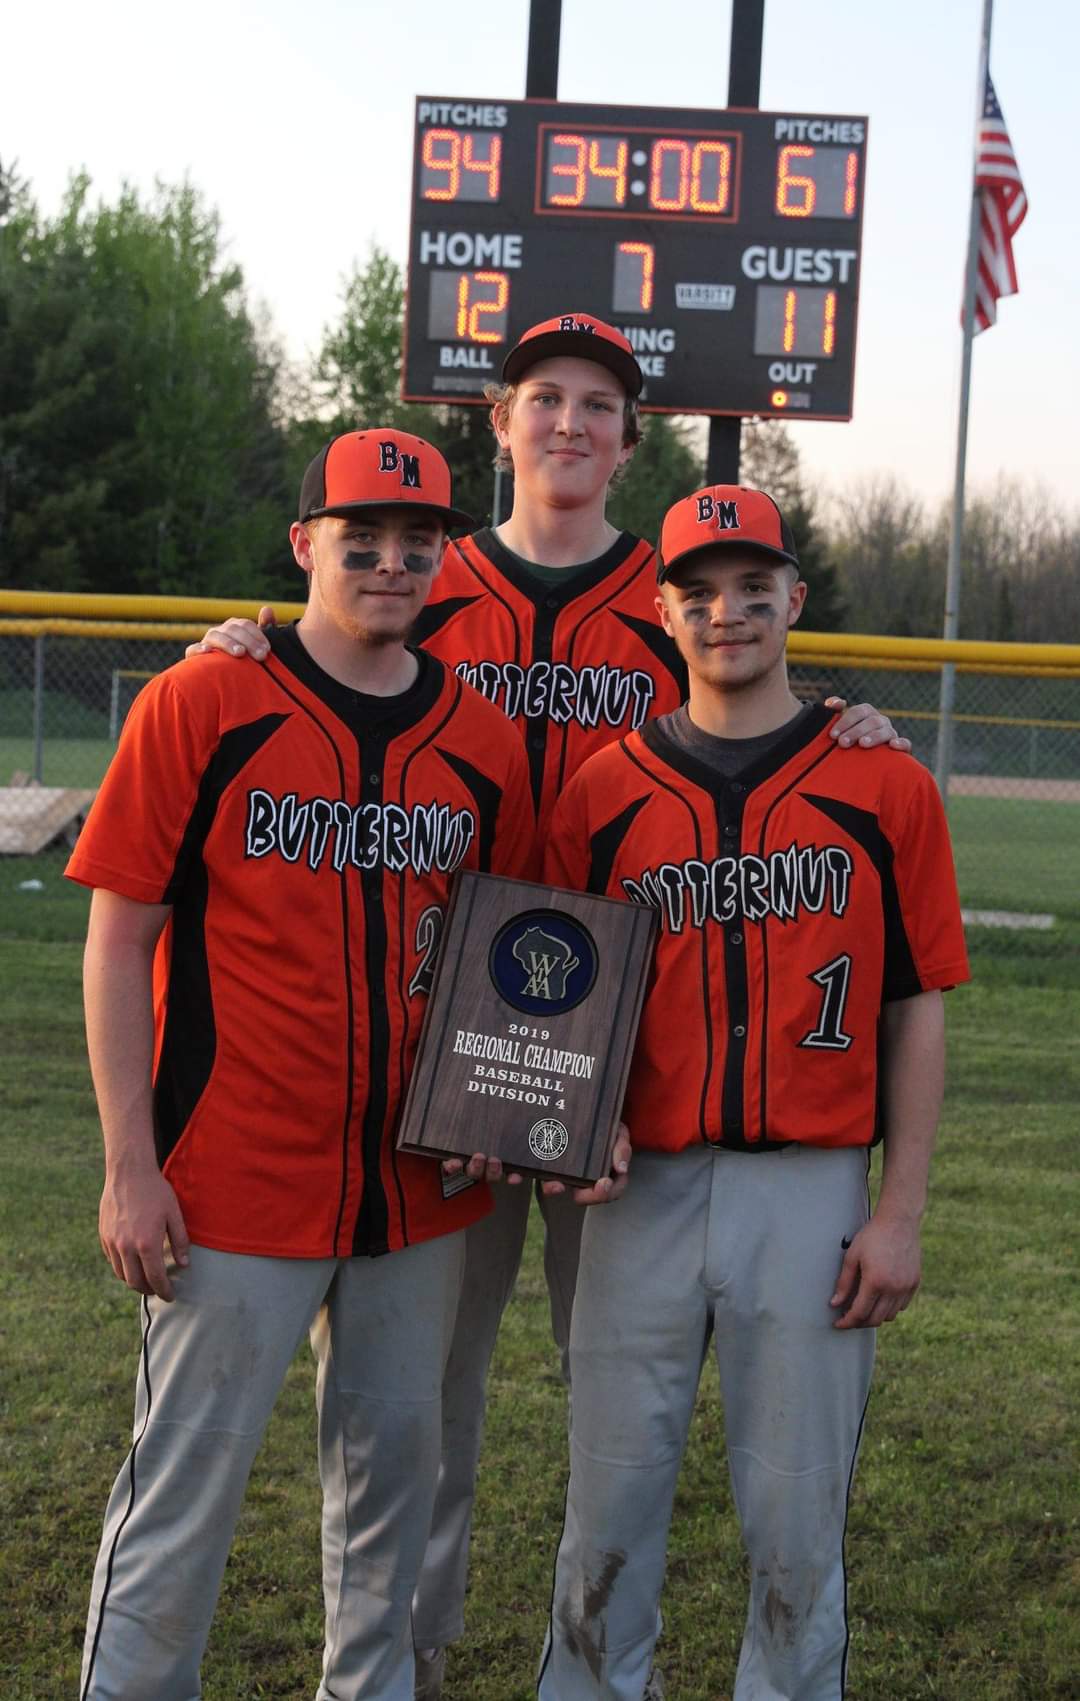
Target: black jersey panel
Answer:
[[656, 641], [189, 1041], [900, 977], [604, 846], [487, 795], [435, 615]]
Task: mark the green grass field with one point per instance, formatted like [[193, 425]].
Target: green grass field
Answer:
[[963, 1547], [65, 761]]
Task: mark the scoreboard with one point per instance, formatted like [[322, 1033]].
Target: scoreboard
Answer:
[[724, 245]]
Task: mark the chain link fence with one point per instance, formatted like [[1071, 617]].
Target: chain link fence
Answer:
[[1014, 788], [1013, 799]]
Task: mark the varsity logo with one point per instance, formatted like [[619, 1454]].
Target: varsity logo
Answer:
[[726, 514], [548, 1140], [391, 461], [543, 963], [567, 323]]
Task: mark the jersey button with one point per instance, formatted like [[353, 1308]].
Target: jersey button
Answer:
[[736, 938], [730, 830], [739, 1032], [373, 779], [537, 741], [551, 602], [737, 786]]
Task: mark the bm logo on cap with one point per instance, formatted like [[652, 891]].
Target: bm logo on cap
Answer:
[[726, 514], [569, 324], [390, 459]]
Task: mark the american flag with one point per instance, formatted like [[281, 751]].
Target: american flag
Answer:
[[1003, 208]]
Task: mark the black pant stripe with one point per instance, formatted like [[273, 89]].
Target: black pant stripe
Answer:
[[145, 1366], [847, 1500], [551, 1610]]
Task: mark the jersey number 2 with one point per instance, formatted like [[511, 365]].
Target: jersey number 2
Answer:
[[428, 938], [829, 1034]]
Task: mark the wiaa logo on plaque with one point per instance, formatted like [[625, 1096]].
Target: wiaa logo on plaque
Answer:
[[543, 963], [548, 1140], [548, 962]]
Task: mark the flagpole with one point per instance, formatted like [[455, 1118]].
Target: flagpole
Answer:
[[951, 626]]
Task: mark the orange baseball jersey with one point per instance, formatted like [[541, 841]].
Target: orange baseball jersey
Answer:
[[574, 665], [305, 836], [795, 901]]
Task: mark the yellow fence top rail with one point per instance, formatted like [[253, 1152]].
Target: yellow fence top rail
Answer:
[[79, 605], [807, 646], [102, 629], [133, 616]]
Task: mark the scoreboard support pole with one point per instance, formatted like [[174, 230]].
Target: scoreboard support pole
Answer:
[[541, 83], [542, 66], [744, 89]]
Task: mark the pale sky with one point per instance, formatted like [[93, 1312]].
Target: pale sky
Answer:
[[296, 123]]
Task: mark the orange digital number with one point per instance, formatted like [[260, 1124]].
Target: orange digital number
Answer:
[[647, 255], [828, 321], [720, 152], [669, 145], [492, 165], [563, 168], [450, 162], [851, 179], [828, 324], [787, 180], [468, 326], [791, 307], [616, 173]]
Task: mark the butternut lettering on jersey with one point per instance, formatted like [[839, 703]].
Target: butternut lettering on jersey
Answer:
[[783, 884], [555, 691], [366, 835]]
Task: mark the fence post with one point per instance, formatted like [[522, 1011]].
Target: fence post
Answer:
[[39, 706]]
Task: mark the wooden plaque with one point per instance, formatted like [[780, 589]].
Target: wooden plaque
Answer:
[[530, 1026]]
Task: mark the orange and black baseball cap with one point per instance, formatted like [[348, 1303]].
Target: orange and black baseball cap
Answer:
[[582, 337], [380, 468], [723, 515]]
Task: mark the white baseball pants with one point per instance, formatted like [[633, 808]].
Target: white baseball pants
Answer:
[[747, 1248], [211, 1367], [493, 1254]]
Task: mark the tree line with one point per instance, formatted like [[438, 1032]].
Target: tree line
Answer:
[[153, 435]]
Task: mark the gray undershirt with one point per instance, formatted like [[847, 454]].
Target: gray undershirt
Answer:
[[728, 756]]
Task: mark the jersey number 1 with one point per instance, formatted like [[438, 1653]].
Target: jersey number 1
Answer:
[[829, 1033]]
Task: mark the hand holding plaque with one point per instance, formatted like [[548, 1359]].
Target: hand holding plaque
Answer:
[[529, 1031]]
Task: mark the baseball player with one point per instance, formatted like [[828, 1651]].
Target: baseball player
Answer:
[[552, 616], [809, 923], [270, 853]]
